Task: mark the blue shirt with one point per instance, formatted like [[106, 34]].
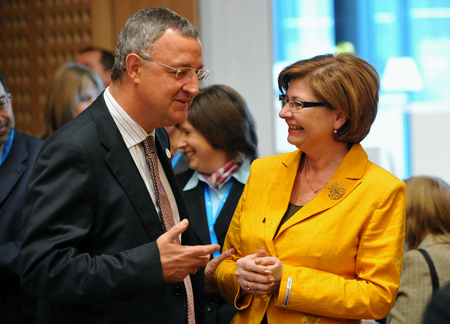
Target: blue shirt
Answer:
[[240, 175], [216, 198], [6, 148]]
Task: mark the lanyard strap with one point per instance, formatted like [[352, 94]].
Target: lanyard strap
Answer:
[[176, 158], [211, 216], [7, 147]]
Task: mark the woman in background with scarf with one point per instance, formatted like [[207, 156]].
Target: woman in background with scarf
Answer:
[[220, 141]]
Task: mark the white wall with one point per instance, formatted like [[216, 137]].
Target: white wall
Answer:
[[385, 143], [429, 139], [237, 50], [430, 135]]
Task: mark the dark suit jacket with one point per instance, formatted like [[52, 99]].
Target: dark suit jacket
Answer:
[[182, 165], [217, 309], [89, 251], [15, 172], [195, 203]]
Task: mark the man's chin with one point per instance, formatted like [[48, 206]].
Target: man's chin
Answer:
[[4, 136], [180, 117]]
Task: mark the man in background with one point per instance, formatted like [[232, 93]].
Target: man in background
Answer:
[[99, 60], [18, 153]]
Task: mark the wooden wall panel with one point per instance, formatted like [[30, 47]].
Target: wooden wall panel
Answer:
[[103, 27], [37, 36]]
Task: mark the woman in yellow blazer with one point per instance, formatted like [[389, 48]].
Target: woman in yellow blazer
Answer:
[[318, 232]]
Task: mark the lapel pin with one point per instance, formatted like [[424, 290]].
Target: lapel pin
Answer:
[[336, 190], [168, 153]]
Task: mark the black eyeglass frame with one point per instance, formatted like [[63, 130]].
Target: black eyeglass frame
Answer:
[[304, 104], [4, 101]]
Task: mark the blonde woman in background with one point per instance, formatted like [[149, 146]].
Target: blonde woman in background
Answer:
[[427, 228], [71, 90]]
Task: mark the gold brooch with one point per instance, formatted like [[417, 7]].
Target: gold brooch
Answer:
[[311, 319], [336, 190], [168, 153]]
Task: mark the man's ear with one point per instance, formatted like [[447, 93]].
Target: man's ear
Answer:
[[134, 66]]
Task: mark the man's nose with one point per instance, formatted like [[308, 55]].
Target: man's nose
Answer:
[[191, 85]]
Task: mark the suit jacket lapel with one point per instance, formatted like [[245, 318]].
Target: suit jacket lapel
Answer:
[[196, 198], [224, 218], [349, 174], [162, 146], [122, 165], [13, 167], [281, 182]]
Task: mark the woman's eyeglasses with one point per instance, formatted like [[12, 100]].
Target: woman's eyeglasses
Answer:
[[295, 106]]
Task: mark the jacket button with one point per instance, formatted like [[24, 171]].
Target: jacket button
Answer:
[[177, 290], [210, 307]]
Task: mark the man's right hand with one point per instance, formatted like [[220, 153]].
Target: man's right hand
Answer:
[[178, 260]]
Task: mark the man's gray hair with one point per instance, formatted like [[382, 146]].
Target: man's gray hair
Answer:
[[142, 30]]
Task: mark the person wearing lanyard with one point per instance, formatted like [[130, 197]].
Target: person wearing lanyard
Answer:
[[18, 152], [220, 141]]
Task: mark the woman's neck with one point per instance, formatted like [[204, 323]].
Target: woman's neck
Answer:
[[314, 172], [325, 161]]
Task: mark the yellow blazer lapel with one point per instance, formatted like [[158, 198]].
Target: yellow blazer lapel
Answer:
[[282, 177], [348, 175]]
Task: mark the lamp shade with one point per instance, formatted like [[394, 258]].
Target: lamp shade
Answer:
[[401, 75]]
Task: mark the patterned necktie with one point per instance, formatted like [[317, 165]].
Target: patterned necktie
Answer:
[[166, 212]]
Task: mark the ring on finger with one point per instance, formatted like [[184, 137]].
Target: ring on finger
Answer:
[[195, 271], [248, 288]]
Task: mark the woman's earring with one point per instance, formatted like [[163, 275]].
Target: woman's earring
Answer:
[[335, 131]]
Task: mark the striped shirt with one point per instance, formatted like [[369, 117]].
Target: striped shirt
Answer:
[[133, 135]]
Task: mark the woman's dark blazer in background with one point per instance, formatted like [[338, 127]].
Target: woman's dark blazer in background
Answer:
[[217, 309], [89, 251], [15, 306]]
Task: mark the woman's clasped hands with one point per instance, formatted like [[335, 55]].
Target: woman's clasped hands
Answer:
[[259, 274]]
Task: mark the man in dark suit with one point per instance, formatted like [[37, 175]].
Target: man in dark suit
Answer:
[[18, 153], [99, 60], [95, 249]]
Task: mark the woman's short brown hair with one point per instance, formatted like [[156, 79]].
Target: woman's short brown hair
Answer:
[[346, 83], [221, 115], [427, 209]]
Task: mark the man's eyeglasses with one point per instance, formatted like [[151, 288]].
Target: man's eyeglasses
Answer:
[[298, 105], [4, 101], [184, 72]]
